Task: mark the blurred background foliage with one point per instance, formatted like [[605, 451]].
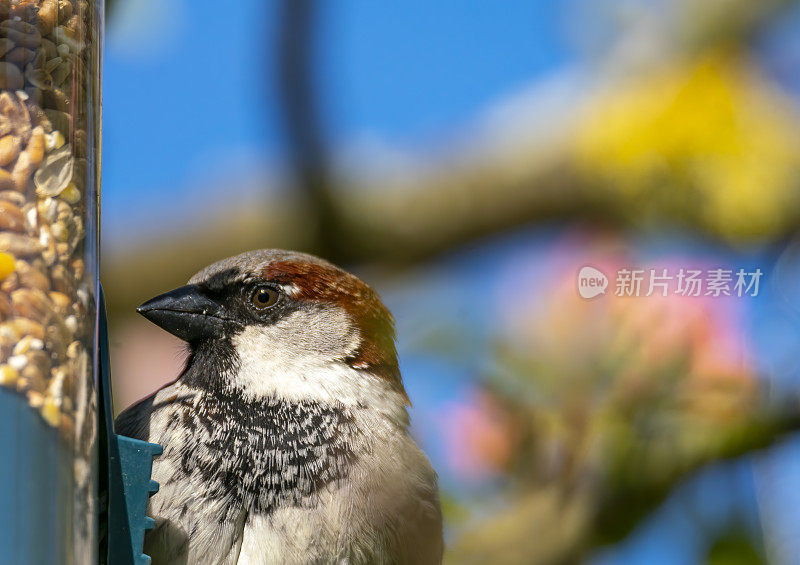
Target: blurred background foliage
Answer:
[[468, 160]]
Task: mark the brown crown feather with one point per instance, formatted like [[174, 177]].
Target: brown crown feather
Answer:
[[325, 283]]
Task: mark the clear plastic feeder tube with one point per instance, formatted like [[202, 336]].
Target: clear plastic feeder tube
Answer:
[[49, 161]]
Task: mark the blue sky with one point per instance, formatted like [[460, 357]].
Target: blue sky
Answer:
[[191, 104], [191, 101]]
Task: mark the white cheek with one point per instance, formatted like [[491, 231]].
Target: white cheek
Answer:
[[301, 358], [322, 334]]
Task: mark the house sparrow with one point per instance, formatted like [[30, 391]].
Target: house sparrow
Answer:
[[286, 436]]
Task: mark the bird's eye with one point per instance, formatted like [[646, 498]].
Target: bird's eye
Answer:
[[263, 297]]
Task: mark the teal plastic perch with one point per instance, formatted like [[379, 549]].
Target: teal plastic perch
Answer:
[[126, 465]]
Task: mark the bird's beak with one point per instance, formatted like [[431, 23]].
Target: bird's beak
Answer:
[[186, 312]]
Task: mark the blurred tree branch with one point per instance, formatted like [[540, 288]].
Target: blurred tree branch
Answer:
[[396, 226], [556, 524], [303, 123]]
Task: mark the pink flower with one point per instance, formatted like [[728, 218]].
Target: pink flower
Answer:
[[480, 436]]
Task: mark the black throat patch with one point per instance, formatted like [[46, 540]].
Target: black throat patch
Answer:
[[263, 454]]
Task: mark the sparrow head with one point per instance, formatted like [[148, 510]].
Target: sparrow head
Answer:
[[282, 323]]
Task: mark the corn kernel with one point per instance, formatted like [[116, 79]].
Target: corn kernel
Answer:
[[50, 411], [8, 375], [6, 265]]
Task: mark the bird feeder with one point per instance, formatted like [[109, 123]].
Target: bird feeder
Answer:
[[65, 474]]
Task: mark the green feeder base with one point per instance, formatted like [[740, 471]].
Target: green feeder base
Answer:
[[125, 466]]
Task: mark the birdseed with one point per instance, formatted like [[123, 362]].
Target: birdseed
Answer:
[[46, 294]]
